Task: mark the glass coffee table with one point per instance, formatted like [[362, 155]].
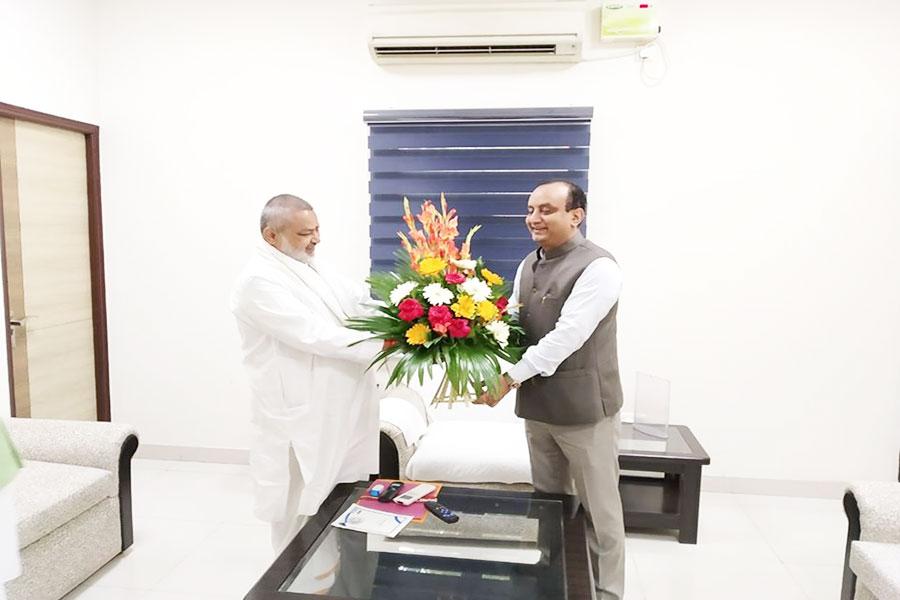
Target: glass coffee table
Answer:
[[506, 545]]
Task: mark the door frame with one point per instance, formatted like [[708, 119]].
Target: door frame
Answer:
[[95, 237]]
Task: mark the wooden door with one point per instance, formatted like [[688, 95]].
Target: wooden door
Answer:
[[50, 272]]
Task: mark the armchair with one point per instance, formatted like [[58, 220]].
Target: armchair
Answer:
[[872, 556]]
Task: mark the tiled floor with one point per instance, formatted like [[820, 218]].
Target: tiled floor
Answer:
[[196, 539]]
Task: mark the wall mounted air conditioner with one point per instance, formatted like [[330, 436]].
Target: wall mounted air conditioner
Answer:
[[524, 31]]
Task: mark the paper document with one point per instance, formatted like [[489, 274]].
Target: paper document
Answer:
[[367, 520], [511, 553]]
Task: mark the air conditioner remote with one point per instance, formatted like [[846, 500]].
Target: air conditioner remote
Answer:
[[421, 490], [442, 512]]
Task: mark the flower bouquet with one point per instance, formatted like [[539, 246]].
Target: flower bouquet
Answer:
[[442, 308]]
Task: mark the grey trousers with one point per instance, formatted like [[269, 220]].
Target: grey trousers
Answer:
[[587, 454]]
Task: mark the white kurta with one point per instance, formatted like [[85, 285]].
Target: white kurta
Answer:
[[311, 391]]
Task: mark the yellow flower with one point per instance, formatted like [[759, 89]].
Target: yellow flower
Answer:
[[417, 334], [491, 278], [464, 306], [431, 266], [487, 310]]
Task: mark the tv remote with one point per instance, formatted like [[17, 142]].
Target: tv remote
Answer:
[[391, 491], [410, 496], [441, 512]]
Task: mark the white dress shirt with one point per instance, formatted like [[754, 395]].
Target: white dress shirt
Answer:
[[595, 292]]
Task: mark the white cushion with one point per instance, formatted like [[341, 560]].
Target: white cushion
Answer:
[[48, 495], [472, 452], [505, 412], [877, 566]]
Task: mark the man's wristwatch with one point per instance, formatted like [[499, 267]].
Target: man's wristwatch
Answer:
[[512, 383]]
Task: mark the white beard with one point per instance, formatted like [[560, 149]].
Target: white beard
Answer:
[[298, 254]]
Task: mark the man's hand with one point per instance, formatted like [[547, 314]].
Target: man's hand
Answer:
[[492, 400]]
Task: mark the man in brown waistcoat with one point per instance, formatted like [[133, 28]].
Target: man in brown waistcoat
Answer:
[[569, 392]]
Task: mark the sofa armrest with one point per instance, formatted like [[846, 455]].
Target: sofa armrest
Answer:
[[83, 443], [879, 510], [873, 514], [392, 437]]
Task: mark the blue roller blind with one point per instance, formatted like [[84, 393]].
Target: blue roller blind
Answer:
[[486, 162]]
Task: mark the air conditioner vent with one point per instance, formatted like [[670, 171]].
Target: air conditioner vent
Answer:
[[476, 50], [511, 48]]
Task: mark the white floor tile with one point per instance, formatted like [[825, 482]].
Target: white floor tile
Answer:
[[95, 592], [194, 495], [818, 581], [633, 588], [230, 561], [724, 529], [192, 596], [711, 577], [800, 530]]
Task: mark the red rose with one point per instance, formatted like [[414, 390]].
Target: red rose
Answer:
[[410, 310], [454, 278], [459, 328], [439, 318], [502, 303]]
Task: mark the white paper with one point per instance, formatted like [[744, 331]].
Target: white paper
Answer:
[[367, 520], [514, 553]]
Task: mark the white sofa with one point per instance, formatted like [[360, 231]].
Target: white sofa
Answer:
[[872, 560], [72, 501], [453, 444]]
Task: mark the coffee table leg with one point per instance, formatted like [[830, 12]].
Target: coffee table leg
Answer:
[[689, 505]]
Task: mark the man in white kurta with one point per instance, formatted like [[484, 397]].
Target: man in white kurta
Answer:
[[315, 410]]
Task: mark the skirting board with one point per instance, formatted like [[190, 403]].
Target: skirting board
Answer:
[[229, 456], [726, 485], [774, 487]]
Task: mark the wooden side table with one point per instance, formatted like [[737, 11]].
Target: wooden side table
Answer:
[[668, 502]]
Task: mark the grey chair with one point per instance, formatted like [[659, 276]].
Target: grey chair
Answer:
[[72, 501]]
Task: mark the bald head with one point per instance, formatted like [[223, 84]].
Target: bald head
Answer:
[[289, 224], [277, 210]]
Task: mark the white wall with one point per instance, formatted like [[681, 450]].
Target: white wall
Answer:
[[751, 199], [48, 63], [48, 59]]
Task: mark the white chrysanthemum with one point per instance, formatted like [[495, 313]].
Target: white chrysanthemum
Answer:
[[402, 291], [437, 294], [465, 264], [478, 289], [500, 331]]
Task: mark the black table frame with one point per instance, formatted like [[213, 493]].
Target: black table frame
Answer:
[[671, 502], [576, 561]]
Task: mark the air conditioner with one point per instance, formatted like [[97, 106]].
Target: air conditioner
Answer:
[[524, 31]]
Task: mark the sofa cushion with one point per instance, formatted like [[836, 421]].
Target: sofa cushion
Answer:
[[48, 495], [472, 452], [877, 567]]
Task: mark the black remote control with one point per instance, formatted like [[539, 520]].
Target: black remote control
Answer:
[[441, 512], [391, 492]]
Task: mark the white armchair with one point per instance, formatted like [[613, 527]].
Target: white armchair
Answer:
[[452, 444], [872, 560]]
